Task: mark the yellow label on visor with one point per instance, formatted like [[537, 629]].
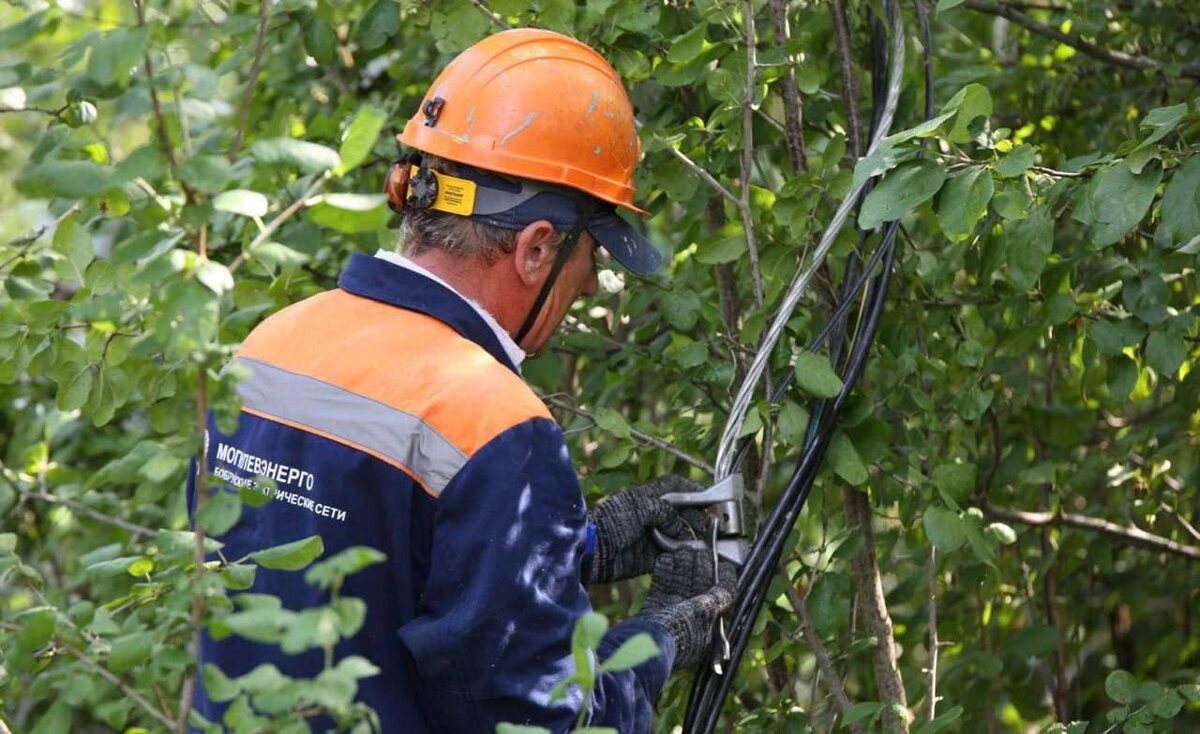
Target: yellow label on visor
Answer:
[[454, 195]]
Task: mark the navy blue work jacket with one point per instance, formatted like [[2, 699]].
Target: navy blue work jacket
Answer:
[[387, 414]]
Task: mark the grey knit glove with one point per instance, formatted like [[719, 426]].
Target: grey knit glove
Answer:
[[685, 599], [625, 546]]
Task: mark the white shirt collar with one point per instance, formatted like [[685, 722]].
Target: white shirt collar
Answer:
[[514, 352]]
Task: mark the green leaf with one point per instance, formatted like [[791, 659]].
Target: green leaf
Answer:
[[24, 30], [1016, 161], [956, 481], [207, 174], [971, 103], [1001, 533], [1162, 121], [278, 255], [942, 722], [320, 40], [308, 157], [860, 711], [116, 53], [140, 567], [259, 625], [792, 423], [844, 459], [688, 46], [963, 201], [1112, 337], [342, 564], [220, 512], [36, 629], [901, 191], [1027, 244], [632, 653], [924, 130], [1146, 296], [815, 376], [505, 728], [242, 201], [947, 4], [73, 395], [944, 528], [458, 24], [829, 602], [1119, 199], [350, 213], [378, 24], [681, 308], [217, 686], [1120, 686], [74, 243], [1033, 641], [589, 630], [215, 276], [1181, 203], [129, 650], [290, 556], [360, 138], [68, 179], [611, 421], [1165, 352], [885, 158], [1168, 705], [717, 250]]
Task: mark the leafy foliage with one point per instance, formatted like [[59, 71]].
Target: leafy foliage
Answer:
[[1025, 431]]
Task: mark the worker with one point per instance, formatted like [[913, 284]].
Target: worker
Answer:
[[390, 412]]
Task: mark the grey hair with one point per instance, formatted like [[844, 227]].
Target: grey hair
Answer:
[[422, 230]]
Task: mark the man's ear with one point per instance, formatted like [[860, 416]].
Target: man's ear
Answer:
[[534, 253]]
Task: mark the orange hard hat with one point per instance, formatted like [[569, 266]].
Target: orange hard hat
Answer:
[[533, 104]]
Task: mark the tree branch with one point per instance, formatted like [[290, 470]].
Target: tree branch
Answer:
[[235, 147], [876, 619], [645, 438], [53, 113], [128, 690], [491, 14], [695, 168], [793, 115], [748, 154], [1074, 40], [138, 531], [841, 34], [1132, 536], [164, 138], [277, 222], [833, 681]]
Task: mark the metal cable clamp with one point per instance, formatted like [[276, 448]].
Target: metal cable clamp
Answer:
[[726, 497]]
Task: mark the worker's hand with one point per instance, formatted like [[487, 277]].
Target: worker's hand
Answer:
[[625, 546], [686, 598]]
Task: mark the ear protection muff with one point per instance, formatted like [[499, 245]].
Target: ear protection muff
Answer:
[[400, 179]]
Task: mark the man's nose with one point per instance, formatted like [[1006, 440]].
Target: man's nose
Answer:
[[592, 285]]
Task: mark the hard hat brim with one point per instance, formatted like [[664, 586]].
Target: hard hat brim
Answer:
[[628, 246]]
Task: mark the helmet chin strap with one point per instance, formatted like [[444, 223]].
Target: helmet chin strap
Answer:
[[587, 206]]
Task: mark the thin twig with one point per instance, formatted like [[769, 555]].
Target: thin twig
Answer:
[[833, 681], [1074, 40], [235, 147], [1125, 535], [164, 138], [748, 155], [137, 530], [278, 221], [128, 690], [24, 244], [491, 14], [53, 113], [931, 673], [695, 168], [646, 438]]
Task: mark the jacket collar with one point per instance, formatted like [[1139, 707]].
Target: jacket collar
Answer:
[[386, 282]]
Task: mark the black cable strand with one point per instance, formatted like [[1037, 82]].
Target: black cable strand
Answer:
[[704, 708]]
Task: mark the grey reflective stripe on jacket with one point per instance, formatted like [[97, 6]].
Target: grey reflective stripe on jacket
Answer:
[[394, 435]]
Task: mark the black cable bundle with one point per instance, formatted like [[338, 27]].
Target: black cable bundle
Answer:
[[710, 689]]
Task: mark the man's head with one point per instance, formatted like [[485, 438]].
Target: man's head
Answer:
[[527, 146]]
